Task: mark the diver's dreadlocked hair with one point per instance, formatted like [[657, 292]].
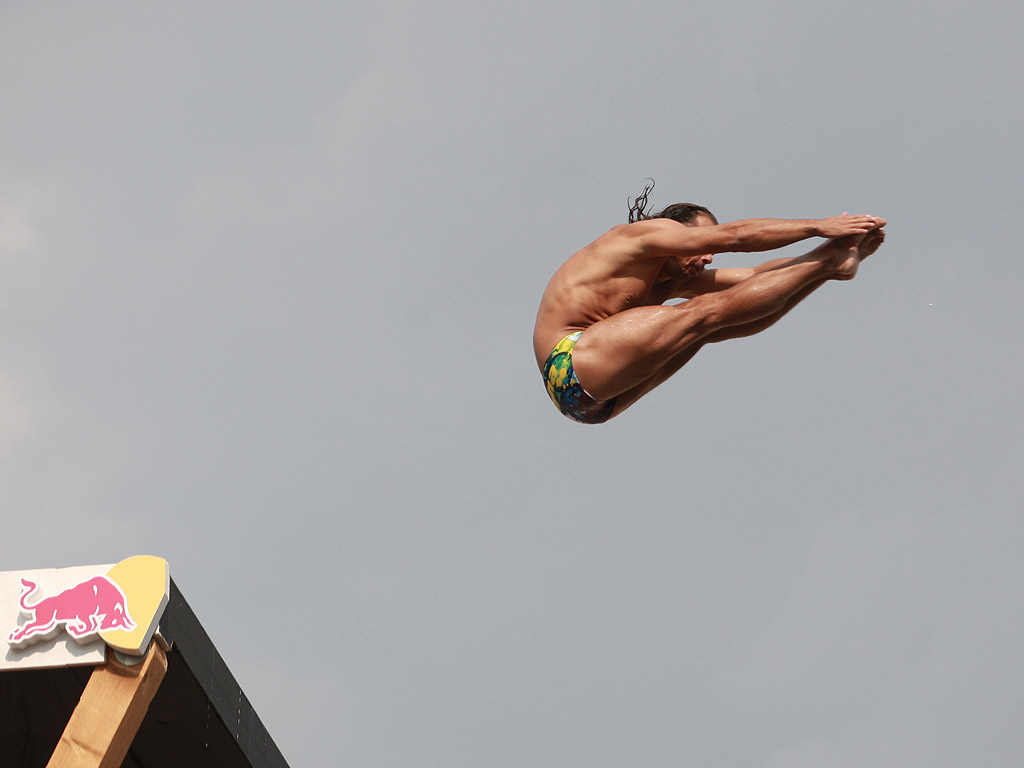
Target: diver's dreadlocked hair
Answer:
[[636, 207], [684, 213]]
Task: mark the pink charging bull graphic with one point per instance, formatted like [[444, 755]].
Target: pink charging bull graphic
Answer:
[[85, 609]]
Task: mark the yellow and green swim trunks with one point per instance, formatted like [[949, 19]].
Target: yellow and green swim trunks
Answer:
[[564, 388]]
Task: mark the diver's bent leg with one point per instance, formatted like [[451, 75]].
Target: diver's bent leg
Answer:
[[633, 347], [867, 246]]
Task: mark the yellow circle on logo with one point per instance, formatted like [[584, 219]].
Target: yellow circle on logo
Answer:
[[146, 583]]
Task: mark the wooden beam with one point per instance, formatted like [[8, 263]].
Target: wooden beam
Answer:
[[110, 712]]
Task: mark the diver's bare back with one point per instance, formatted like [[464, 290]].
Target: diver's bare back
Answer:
[[606, 277]]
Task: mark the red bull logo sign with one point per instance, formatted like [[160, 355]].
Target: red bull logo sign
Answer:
[[83, 610], [76, 613]]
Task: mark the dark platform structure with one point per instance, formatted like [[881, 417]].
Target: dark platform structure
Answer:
[[194, 714]]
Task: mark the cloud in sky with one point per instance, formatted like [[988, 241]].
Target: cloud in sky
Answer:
[[17, 235], [15, 416]]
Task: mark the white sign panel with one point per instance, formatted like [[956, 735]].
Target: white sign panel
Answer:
[[67, 616]]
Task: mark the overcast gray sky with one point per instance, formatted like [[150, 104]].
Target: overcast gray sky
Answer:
[[268, 275]]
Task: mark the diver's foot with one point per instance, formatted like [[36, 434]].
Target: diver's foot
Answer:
[[872, 240], [846, 256]]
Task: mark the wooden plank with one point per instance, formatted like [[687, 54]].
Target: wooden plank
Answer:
[[110, 712]]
